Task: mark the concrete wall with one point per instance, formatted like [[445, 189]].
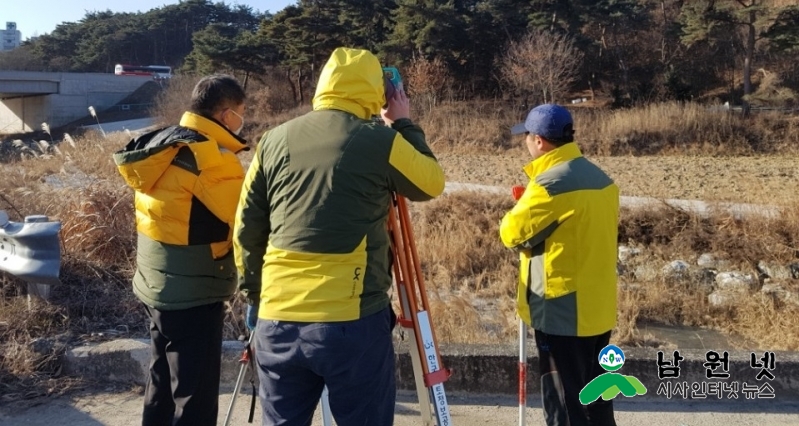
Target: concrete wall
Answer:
[[77, 91], [20, 115], [484, 369]]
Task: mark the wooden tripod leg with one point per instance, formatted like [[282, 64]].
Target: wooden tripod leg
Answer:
[[430, 351], [416, 363], [429, 373]]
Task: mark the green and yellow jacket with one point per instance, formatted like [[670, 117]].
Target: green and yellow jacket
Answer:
[[187, 180], [310, 239], [565, 226]]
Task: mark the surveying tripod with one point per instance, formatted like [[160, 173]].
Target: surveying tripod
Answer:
[[414, 317]]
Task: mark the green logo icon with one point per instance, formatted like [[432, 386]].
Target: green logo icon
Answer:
[[608, 385]]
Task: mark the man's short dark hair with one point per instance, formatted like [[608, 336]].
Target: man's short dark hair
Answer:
[[214, 93]]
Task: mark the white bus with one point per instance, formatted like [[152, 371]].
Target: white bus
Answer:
[[157, 71]]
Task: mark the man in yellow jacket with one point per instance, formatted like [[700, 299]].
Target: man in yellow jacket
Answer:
[[565, 227], [312, 247], [187, 179]]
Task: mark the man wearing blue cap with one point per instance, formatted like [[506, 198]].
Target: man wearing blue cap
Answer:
[[565, 227]]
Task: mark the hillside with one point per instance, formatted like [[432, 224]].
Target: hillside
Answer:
[[630, 52]]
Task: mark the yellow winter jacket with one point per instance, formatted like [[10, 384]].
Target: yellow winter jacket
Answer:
[[310, 239], [187, 180], [565, 227]]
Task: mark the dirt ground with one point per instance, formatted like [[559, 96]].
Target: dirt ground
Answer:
[[759, 180]]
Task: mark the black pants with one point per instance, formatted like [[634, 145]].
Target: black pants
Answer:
[[183, 387], [567, 364]]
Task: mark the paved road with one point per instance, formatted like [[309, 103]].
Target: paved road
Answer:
[[123, 409]]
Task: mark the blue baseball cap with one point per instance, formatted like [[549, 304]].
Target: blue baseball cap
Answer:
[[551, 122]]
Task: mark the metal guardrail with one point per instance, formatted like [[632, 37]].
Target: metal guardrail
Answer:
[[31, 251]]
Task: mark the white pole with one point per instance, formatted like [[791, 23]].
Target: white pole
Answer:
[[517, 191], [327, 417], [522, 372]]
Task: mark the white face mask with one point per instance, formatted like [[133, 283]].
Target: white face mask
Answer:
[[237, 131]]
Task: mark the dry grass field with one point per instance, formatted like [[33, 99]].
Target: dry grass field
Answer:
[[663, 151], [757, 179], [671, 152]]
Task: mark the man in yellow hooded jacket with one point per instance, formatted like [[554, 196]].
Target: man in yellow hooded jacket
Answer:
[[187, 179], [565, 227], [312, 248]]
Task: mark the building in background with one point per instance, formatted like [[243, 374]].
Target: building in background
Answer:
[[10, 38]]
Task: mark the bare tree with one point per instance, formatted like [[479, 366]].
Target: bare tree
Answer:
[[541, 64], [427, 80]]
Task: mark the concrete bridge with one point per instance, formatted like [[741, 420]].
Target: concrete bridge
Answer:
[[28, 99]]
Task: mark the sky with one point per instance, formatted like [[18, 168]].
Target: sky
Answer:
[[38, 17]]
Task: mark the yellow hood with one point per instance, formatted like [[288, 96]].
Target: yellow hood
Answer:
[[352, 81]]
